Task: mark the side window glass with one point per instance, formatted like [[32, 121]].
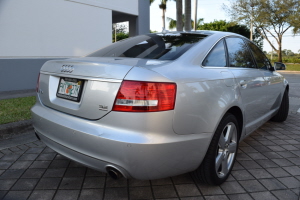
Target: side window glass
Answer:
[[239, 54], [261, 60], [217, 56]]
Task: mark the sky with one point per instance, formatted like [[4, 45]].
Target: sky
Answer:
[[212, 10]]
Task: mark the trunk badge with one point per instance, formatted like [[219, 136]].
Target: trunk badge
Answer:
[[67, 68], [102, 107]]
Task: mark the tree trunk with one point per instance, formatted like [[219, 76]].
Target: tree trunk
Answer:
[[179, 22], [279, 52], [188, 10], [195, 18], [163, 19]]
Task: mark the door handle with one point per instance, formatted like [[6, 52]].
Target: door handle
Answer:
[[243, 84]]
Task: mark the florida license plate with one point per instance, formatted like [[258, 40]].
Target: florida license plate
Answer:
[[70, 88]]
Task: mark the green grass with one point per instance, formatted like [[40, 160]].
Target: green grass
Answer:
[[292, 67], [12, 110]]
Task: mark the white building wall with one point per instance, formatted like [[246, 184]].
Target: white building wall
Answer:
[[34, 31], [53, 28], [125, 6]]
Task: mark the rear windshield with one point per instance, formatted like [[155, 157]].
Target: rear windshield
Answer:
[[151, 46]]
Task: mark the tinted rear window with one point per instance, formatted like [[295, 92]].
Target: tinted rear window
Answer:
[[151, 46], [217, 57]]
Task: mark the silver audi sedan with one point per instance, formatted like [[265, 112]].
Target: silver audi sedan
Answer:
[[159, 105]]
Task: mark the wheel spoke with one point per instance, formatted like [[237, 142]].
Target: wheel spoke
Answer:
[[219, 160], [222, 142], [232, 147], [230, 132], [225, 166], [225, 169]]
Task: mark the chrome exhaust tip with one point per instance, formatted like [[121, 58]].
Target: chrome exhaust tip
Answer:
[[114, 173]]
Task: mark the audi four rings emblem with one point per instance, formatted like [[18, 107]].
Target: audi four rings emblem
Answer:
[[67, 68]]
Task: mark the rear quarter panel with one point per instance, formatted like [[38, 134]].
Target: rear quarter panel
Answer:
[[201, 104]]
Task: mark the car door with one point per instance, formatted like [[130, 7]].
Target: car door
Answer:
[[272, 78], [250, 81]]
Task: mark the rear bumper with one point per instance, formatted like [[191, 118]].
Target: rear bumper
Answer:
[[139, 145]]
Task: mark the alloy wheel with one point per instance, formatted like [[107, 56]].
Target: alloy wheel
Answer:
[[227, 147]]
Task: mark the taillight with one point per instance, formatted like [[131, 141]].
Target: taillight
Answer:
[[38, 84], [138, 96]]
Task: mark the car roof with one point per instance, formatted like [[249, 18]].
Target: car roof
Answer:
[[198, 32]]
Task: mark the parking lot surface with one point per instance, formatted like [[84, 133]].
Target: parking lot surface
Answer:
[[267, 167]]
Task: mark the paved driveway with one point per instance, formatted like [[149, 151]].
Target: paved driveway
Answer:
[[267, 167]]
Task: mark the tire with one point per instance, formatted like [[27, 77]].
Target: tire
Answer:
[[283, 110], [220, 156]]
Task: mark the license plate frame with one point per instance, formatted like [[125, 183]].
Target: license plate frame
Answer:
[[70, 88]]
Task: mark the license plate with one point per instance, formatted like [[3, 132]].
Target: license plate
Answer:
[[70, 88]]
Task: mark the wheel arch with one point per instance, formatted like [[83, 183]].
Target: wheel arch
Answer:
[[237, 112], [206, 172]]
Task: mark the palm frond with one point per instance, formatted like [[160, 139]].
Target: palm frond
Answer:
[[172, 23]]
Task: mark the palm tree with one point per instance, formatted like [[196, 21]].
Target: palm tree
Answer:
[[199, 23], [163, 7], [173, 22], [179, 16], [188, 13], [196, 9]]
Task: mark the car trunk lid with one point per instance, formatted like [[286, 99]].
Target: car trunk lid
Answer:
[[84, 87]]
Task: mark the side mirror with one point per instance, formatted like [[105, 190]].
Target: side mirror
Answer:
[[279, 66], [272, 69]]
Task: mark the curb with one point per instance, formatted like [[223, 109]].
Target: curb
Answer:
[[17, 94], [15, 128], [295, 72]]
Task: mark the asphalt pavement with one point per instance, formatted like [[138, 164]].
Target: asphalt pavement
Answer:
[[294, 94], [267, 167]]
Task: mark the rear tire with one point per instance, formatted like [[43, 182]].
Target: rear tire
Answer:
[[220, 157], [283, 110]]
